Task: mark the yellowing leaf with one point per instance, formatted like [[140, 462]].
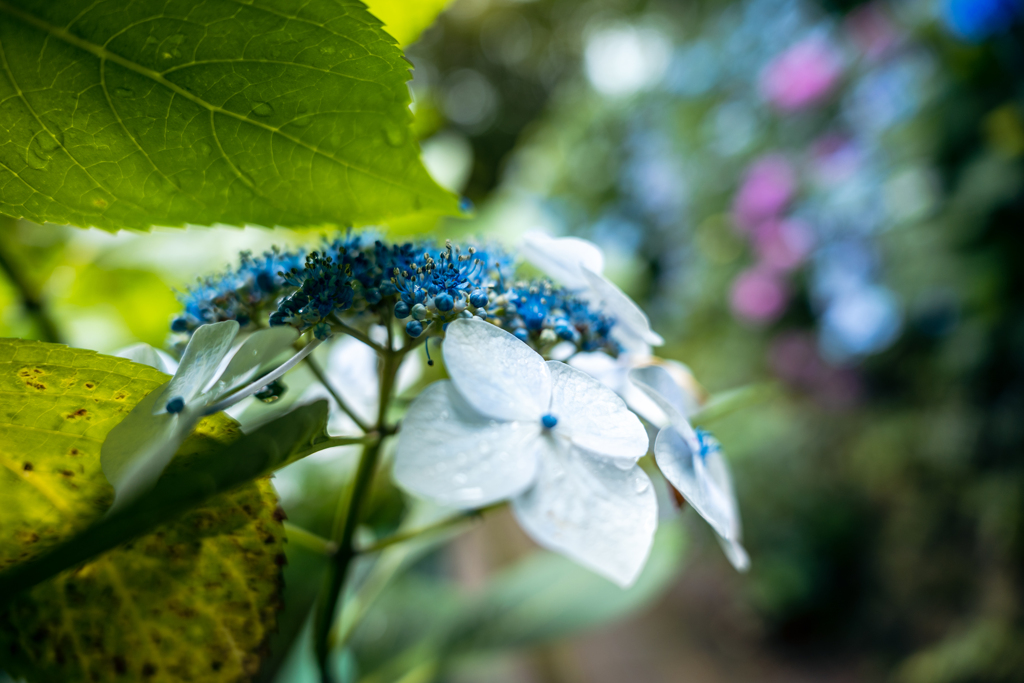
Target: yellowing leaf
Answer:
[[270, 112], [194, 600]]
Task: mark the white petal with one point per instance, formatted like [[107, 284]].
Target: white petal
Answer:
[[138, 448], [253, 357], [146, 355], [593, 416], [676, 452], [657, 383], [629, 319], [201, 360], [562, 258], [593, 512], [736, 553], [498, 374], [449, 453]]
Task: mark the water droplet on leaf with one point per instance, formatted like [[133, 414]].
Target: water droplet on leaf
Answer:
[[394, 135], [262, 109], [203, 149], [123, 92], [271, 392]]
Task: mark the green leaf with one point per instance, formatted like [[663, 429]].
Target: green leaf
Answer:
[[222, 111], [195, 600], [405, 20]]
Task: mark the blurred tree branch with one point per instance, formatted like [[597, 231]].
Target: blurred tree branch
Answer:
[[31, 300]]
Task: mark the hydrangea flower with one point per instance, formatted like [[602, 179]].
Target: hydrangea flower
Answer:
[[692, 461], [137, 449], [145, 354], [614, 374], [560, 445], [578, 264]]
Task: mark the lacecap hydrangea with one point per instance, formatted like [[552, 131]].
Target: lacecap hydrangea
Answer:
[[424, 285]]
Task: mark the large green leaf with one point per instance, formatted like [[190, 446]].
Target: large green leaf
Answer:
[[194, 600], [405, 20], [272, 112]]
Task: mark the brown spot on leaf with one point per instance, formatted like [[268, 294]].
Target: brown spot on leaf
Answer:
[[148, 670], [67, 473], [279, 514], [120, 666], [269, 539], [27, 467], [280, 560], [81, 412], [73, 451], [90, 385]]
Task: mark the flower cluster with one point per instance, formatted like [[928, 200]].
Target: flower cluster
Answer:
[[242, 294], [424, 286]]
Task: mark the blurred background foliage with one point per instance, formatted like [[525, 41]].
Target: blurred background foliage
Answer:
[[826, 194]]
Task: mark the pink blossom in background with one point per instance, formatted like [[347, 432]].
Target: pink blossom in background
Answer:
[[767, 187], [872, 31], [783, 245], [758, 295], [801, 76]]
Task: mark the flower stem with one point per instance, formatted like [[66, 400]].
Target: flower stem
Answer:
[[347, 520], [250, 389], [355, 334], [30, 299], [439, 525], [310, 541], [320, 375]]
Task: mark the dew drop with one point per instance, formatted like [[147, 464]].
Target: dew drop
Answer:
[[444, 415], [640, 484], [204, 149], [327, 49], [124, 92], [302, 121], [624, 464], [262, 109], [394, 135]]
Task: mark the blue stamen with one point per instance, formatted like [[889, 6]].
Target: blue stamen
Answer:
[[176, 405], [549, 421]]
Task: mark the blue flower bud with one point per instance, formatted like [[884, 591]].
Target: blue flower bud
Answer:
[[322, 331], [414, 328], [179, 325], [278, 318], [402, 310], [388, 289], [549, 421], [372, 296], [478, 299], [564, 330], [522, 334], [418, 312], [444, 302], [176, 405]]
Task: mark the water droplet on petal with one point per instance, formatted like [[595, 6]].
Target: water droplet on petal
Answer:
[[262, 109], [640, 484], [624, 463]]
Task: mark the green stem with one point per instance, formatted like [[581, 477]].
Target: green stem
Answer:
[[30, 299], [728, 402], [347, 521], [310, 541], [439, 525], [338, 324], [320, 375]]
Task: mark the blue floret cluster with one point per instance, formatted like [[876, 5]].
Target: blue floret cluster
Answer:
[[352, 279]]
